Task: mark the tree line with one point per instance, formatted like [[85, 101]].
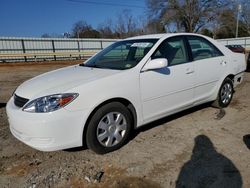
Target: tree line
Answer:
[[214, 18]]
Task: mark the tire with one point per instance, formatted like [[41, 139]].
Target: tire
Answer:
[[225, 94], [109, 128], [248, 63]]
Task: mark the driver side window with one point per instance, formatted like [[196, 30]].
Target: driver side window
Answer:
[[174, 50]]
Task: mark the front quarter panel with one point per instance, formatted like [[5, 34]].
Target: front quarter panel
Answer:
[[123, 85]]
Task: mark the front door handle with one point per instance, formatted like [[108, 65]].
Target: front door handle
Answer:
[[189, 71], [223, 63]]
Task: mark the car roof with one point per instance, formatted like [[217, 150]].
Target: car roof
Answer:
[[162, 35]]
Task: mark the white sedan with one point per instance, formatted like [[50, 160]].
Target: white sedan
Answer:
[[130, 83]]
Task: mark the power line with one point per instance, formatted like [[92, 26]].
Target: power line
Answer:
[[142, 1], [132, 0], [106, 4]]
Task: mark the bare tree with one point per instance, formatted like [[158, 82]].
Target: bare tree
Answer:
[[80, 27], [246, 15], [154, 26], [186, 15], [126, 25], [225, 25], [106, 29]]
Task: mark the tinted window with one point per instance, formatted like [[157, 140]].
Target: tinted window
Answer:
[[173, 49], [202, 49]]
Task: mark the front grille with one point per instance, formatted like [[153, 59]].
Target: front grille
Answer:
[[20, 101]]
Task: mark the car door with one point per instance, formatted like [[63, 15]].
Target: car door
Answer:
[[209, 64], [169, 89]]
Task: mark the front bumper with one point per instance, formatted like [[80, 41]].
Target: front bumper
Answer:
[[52, 131]]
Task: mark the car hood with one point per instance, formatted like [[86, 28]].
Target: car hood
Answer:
[[61, 80]]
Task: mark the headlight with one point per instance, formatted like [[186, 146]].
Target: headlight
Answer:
[[49, 103]]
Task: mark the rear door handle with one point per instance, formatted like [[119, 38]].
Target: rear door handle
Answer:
[[223, 63], [189, 71]]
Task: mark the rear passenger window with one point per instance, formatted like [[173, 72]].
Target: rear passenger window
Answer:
[[173, 50], [202, 49]]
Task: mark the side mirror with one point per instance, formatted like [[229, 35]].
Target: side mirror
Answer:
[[155, 64]]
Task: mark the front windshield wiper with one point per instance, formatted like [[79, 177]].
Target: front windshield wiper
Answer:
[[92, 66], [100, 67]]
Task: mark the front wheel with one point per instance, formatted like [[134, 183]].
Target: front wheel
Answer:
[[109, 128], [225, 94]]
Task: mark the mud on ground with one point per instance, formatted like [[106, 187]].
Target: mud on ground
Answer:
[[200, 147]]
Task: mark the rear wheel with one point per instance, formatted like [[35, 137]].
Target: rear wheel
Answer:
[[109, 128], [225, 94]]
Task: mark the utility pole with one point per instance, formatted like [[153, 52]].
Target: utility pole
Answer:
[[238, 17]]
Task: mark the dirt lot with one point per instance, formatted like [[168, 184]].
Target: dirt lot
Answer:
[[196, 148]]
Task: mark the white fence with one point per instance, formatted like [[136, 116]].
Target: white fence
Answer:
[[244, 41], [30, 49], [26, 49]]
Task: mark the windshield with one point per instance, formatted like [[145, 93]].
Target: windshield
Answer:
[[121, 55]]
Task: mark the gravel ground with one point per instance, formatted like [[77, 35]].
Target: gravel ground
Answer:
[[200, 147]]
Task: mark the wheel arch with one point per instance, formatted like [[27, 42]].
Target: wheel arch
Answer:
[[123, 101], [231, 76]]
